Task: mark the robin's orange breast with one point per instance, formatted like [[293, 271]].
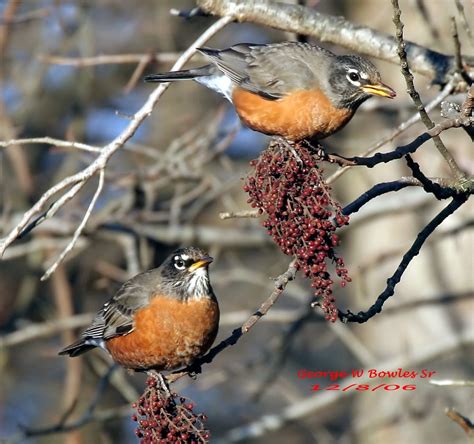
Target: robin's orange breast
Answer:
[[167, 334], [299, 115]]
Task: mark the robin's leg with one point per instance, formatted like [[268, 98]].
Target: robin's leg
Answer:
[[291, 146], [159, 377]]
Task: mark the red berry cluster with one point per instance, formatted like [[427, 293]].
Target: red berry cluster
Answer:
[[302, 218], [164, 419]]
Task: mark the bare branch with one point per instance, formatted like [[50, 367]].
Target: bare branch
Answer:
[[425, 118], [200, 234], [451, 383], [457, 46], [79, 229], [238, 214], [51, 141], [461, 420], [109, 59], [462, 14], [468, 105], [328, 28], [36, 14], [44, 329]]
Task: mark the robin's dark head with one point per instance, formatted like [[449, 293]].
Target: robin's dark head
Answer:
[[185, 273], [353, 80]]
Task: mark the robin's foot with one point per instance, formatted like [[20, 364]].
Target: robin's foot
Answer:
[[317, 150], [161, 380], [291, 146], [194, 370]]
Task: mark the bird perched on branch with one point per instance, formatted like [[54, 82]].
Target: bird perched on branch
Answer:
[[162, 319], [291, 89]]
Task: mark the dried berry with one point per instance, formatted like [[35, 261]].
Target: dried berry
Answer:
[[162, 418], [301, 215]]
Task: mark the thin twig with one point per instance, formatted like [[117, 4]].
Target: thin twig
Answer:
[[42, 330], [378, 190], [109, 59], [425, 118], [50, 141], [465, 423], [87, 417], [238, 214], [451, 383], [457, 45], [52, 210], [468, 105], [36, 14], [79, 229], [430, 186], [462, 14], [137, 73]]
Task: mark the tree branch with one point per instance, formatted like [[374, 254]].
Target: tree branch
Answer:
[[328, 28], [425, 118], [414, 250]]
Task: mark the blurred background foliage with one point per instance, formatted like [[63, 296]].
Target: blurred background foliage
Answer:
[[166, 188]]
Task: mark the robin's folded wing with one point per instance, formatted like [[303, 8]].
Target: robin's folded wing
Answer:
[[271, 71], [118, 313], [116, 316]]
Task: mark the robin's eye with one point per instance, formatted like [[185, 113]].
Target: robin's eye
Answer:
[[353, 77], [179, 264]]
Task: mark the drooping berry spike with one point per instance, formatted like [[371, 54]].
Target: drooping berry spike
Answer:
[[301, 216]]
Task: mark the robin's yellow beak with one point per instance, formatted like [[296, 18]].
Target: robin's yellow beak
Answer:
[[200, 263], [379, 89]]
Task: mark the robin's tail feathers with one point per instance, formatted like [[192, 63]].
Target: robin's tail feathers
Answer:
[[188, 74], [77, 348]]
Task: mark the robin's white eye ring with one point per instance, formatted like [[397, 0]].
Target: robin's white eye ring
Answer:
[[353, 77], [179, 264]]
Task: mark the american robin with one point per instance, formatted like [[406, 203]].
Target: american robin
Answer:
[[291, 89], [162, 319]]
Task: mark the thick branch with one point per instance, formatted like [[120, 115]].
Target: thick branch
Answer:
[[328, 28]]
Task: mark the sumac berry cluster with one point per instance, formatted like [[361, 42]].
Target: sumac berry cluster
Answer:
[[302, 218], [164, 419]]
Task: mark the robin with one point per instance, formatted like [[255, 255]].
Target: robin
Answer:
[[294, 90], [162, 319]]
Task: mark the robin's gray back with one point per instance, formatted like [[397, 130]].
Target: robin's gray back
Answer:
[[272, 70]]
